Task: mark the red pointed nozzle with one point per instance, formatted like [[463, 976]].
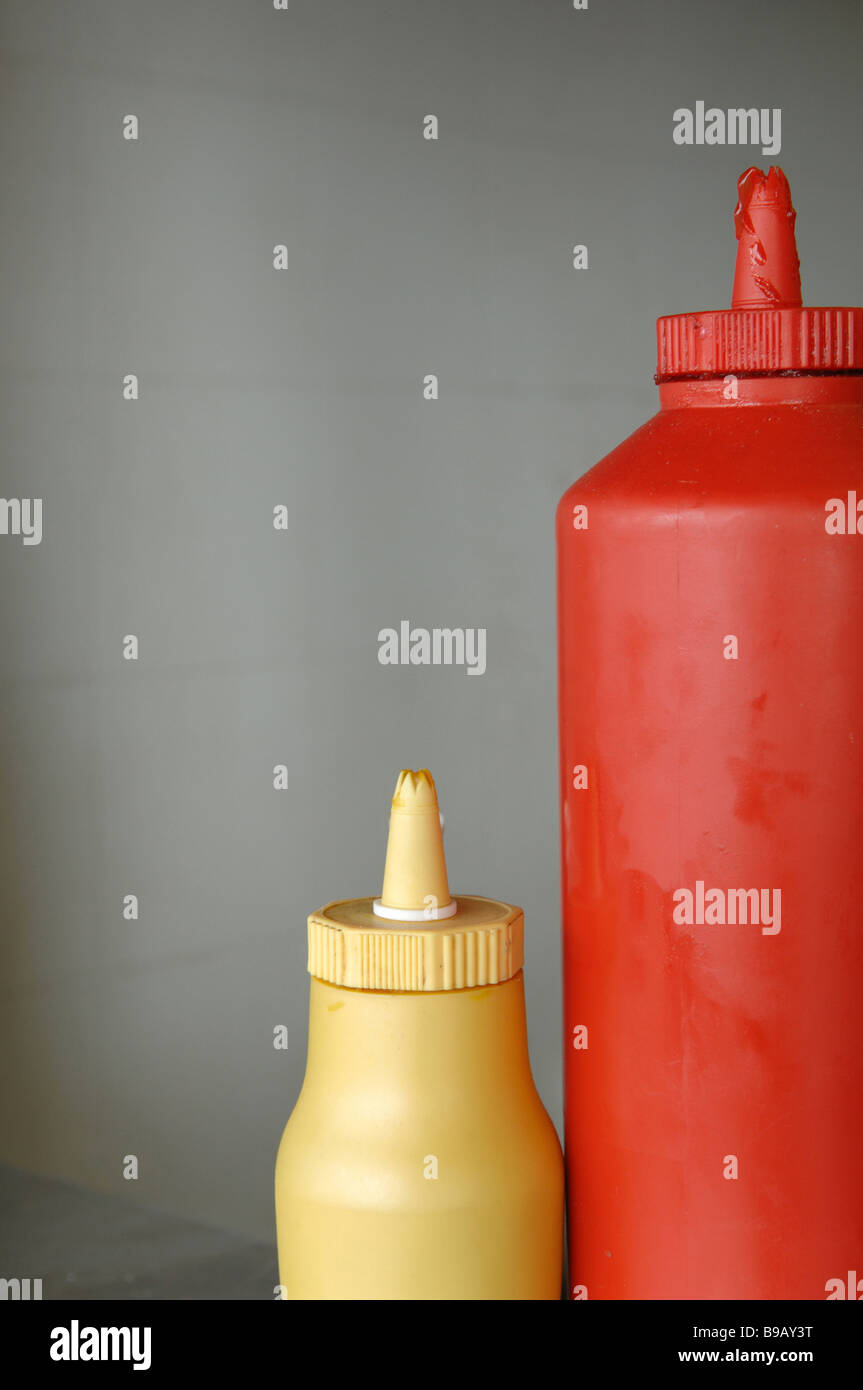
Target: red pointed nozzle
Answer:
[[767, 273]]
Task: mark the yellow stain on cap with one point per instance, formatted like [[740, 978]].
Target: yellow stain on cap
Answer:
[[415, 871]]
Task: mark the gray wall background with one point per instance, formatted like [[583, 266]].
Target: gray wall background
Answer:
[[305, 387]]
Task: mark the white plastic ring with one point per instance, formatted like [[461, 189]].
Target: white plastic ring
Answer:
[[413, 914]]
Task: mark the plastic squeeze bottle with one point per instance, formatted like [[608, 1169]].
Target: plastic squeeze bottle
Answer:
[[710, 574], [419, 1162]]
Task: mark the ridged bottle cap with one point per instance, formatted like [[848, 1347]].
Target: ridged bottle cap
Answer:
[[416, 937], [767, 329]]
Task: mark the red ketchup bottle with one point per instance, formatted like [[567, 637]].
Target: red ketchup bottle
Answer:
[[710, 591]]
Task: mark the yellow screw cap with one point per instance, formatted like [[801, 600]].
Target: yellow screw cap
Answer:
[[415, 882], [352, 945]]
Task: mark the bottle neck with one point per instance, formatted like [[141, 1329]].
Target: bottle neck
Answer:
[[474, 1040], [810, 388]]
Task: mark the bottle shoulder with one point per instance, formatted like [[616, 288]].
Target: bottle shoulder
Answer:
[[512, 1142], [768, 452]]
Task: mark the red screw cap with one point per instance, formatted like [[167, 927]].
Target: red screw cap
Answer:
[[767, 330]]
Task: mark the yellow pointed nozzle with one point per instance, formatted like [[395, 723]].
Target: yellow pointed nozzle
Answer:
[[415, 882]]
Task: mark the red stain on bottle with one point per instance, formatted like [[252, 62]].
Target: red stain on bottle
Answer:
[[710, 590]]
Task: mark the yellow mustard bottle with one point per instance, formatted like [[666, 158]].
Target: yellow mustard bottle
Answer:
[[419, 1162]]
